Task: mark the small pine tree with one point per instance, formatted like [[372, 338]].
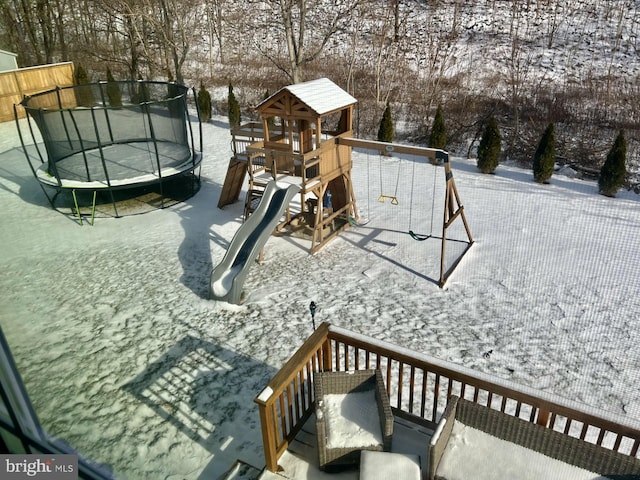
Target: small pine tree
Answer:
[[234, 109], [113, 90], [204, 103], [545, 156], [614, 171], [438, 135], [489, 148], [385, 130], [84, 93]]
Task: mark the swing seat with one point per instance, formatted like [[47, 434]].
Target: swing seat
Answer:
[[418, 237], [393, 198], [356, 223]]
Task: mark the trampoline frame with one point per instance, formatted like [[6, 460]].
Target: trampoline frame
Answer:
[[47, 173]]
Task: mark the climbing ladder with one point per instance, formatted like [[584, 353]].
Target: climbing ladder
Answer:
[[242, 137]]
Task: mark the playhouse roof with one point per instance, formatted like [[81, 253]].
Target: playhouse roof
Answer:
[[321, 96]]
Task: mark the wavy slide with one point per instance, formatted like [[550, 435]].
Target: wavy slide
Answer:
[[227, 278]]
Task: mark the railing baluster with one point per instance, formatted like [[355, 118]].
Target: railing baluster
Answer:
[[389, 362], [283, 416], [289, 410], [601, 436], [412, 384], [489, 399], [436, 396], [583, 432], [636, 446], [357, 359], [503, 405], [346, 357], [552, 422], [567, 426], [616, 443], [400, 383], [423, 401], [296, 395], [309, 384]]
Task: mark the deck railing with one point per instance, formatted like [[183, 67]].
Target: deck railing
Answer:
[[419, 386]]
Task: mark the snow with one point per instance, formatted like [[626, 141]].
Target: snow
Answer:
[[222, 285], [472, 453], [125, 357], [265, 394], [352, 419], [383, 465]]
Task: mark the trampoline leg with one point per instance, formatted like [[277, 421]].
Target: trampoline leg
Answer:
[[75, 202], [93, 207]]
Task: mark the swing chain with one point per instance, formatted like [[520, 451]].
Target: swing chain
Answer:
[[393, 198]]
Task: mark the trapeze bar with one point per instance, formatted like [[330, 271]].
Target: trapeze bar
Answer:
[[393, 198]]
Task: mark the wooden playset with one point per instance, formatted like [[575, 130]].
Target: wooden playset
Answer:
[[296, 143], [306, 138]]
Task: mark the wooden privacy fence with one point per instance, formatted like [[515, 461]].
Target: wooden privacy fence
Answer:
[[16, 84], [419, 387]]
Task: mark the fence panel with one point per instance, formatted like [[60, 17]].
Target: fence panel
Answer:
[[16, 84]]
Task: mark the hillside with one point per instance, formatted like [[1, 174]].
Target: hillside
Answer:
[[527, 63]]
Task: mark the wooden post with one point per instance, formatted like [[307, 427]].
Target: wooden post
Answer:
[[327, 362], [267, 422]]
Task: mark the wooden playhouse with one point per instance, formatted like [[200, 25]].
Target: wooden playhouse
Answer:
[[297, 142]]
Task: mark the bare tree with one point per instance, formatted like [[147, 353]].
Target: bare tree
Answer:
[[215, 20], [305, 28]]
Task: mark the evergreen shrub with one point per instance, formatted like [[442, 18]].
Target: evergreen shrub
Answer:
[[438, 135], [614, 171], [385, 130], [233, 109], [489, 148], [113, 90], [545, 157], [84, 92], [204, 103]]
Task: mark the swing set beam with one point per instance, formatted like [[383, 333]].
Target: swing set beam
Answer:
[[453, 208]]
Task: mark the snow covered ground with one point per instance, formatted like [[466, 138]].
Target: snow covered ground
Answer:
[[126, 359]]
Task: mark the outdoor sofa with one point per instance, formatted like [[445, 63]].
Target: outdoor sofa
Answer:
[[545, 441]]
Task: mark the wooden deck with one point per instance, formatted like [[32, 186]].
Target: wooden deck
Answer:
[[300, 461], [419, 387]]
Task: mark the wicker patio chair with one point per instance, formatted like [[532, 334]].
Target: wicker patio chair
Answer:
[[342, 383], [550, 443]]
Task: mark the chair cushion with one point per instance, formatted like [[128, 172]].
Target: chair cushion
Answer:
[[386, 466], [352, 420]]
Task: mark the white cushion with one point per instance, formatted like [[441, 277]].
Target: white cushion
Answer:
[[386, 466], [352, 420]]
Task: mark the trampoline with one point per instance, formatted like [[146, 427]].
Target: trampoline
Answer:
[[110, 136]]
